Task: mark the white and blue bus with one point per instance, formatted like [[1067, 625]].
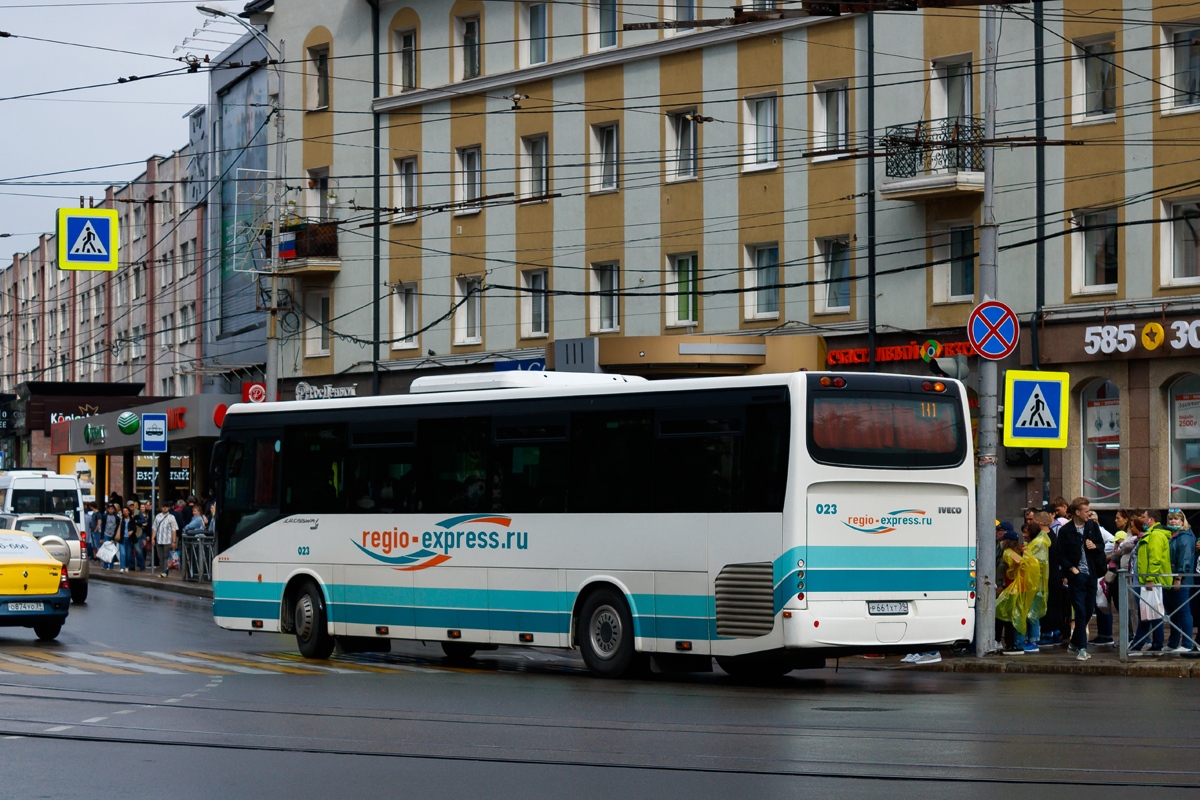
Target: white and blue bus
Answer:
[[767, 521]]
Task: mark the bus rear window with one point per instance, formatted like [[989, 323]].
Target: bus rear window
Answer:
[[894, 431]]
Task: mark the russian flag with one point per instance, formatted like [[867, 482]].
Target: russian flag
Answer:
[[287, 245]]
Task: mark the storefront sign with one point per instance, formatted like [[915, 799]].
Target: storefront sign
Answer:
[[305, 391], [93, 434], [904, 352], [1155, 338], [1187, 416], [254, 393], [175, 419], [1102, 421]]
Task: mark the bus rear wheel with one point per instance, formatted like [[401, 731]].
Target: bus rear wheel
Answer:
[[312, 624], [458, 651], [606, 634]]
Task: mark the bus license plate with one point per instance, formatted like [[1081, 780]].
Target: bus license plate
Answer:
[[888, 608], [26, 607]]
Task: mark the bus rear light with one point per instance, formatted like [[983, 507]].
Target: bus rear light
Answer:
[[800, 596], [964, 622], [800, 574], [816, 623], [972, 563], [800, 563], [381, 630], [454, 634], [684, 646], [256, 623], [933, 386], [971, 596], [526, 638], [800, 585], [788, 614], [826, 381], [839, 383]]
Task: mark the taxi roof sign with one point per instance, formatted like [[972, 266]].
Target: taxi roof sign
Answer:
[[87, 238], [1035, 408]]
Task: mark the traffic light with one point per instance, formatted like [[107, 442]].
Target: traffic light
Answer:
[[950, 367]]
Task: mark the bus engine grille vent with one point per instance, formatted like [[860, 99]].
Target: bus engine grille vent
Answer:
[[746, 600]]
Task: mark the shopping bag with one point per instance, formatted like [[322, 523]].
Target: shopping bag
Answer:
[[1101, 596], [107, 552], [173, 560], [1150, 606]]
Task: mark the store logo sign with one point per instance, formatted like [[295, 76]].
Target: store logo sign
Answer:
[[93, 434]]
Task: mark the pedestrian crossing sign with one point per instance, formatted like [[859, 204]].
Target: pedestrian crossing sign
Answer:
[[87, 238], [1035, 408]]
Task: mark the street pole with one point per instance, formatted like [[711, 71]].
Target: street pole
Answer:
[[871, 310], [272, 340], [1039, 230], [985, 536], [153, 512]]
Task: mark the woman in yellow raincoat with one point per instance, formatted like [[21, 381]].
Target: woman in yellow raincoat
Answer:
[[1037, 546], [1023, 572]]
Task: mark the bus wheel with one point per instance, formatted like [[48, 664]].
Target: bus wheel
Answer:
[[754, 668], [606, 634], [458, 651], [312, 629]]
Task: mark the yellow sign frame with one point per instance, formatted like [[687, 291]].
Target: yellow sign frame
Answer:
[[1011, 412], [66, 260]]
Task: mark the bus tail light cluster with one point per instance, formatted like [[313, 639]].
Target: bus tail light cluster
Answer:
[[836, 383], [933, 386]]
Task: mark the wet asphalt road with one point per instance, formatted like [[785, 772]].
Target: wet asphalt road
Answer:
[[142, 693]]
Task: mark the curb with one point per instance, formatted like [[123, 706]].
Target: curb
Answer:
[[1172, 668], [179, 587]]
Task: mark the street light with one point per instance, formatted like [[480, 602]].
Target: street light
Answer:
[[272, 340]]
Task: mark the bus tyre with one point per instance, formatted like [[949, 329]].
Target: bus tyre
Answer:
[[47, 631], [79, 592], [606, 634], [755, 668], [458, 651], [312, 628]]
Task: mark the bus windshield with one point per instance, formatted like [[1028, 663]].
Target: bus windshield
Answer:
[[886, 430], [47, 501]]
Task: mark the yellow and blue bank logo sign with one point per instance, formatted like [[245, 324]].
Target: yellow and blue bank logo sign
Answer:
[[87, 238]]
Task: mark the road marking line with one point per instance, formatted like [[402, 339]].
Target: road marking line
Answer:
[[58, 728], [318, 666], [33, 668], [350, 665], [272, 667], [189, 695], [125, 711], [173, 700], [128, 665], [94, 720], [54, 658], [14, 737], [140, 659], [188, 660]]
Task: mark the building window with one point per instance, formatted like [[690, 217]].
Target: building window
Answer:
[[961, 273], [536, 20], [606, 143], [762, 281], [833, 276], [405, 67], [184, 259], [405, 198], [683, 302], [608, 23], [168, 331], [683, 137], [470, 178], [1099, 79], [535, 312], [1185, 440], [685, 10], [1186, 50], [168, 268], [316, 197], [1102, 443], [605, 300], [1181, 256], [832, 117], [535, 166], [470, 43], [761, 132], [185, 324], [404, 317], [317, 337], [1096, 254], [318, 78], [952, 96], [468, 317], [138, 281]]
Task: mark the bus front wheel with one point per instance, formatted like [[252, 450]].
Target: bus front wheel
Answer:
[[312, 628], [606, 634]]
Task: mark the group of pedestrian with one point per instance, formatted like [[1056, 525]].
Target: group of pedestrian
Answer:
[[125, 535], [1061, 570]]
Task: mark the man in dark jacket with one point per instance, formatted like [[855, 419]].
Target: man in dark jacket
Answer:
[[1080, 555]]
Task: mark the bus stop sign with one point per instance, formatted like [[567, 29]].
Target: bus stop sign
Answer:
[[1035, 408]]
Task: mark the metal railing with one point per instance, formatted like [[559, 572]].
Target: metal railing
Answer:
[[196, 555], [1127, 617], [314, 238], [934, 146]]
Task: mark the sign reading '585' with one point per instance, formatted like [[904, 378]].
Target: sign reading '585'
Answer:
[[1183, 334]]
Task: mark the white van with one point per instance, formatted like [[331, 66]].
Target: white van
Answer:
[[36, 491]]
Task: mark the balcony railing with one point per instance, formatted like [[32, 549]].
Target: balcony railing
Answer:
[[934, 147], [310, 239]]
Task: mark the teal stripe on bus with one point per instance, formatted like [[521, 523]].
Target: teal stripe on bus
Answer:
[[247, 590], [246, 609], [886, 580], [873, 557]]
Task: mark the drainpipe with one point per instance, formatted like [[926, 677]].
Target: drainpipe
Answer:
[[376, 201]]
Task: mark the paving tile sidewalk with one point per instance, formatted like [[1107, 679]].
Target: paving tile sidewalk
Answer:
[[1050, 661], [172, 583]]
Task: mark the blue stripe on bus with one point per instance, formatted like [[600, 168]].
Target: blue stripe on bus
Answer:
[[887, 580], [248, 590], [247, 609], [870, 557]]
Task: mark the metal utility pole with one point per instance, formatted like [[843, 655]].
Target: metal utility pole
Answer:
[[985, 536], [1039, 231], [871, 320], [272, 330]]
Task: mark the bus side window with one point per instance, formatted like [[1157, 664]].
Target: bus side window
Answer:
[[765, 457], [265, 489], [382, 478], [697, 460], [453, 458], [314, 473], [610, 466], [529, 465]]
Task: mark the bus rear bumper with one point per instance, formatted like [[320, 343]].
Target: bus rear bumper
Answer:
[[847, 624]]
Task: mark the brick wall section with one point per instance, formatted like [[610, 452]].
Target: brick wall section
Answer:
[[1137, 439]]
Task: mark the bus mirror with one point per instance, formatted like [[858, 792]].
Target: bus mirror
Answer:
[[950, 367]]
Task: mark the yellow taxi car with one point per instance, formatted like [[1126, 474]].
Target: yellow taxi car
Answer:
[[34, 589]]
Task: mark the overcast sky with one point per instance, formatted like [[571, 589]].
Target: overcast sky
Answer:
[[90, 127]]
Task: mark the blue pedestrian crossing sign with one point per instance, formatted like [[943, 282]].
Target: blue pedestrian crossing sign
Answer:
[[87, 238], [1035, 408]]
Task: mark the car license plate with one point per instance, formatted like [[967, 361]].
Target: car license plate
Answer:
[[26, 606], [888, 608]]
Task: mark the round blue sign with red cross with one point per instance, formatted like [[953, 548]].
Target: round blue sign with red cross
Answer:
[[993, 330]]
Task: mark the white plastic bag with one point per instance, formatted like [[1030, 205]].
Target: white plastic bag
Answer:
[[107, 552], [1150, 606], [1101, 597]]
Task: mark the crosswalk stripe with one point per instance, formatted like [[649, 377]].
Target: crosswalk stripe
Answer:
[[55, 658], [183, 659], [22, 667], [268, 659], [140, 659], [244, 662], [39, 668], [127, 664], [338, 666]]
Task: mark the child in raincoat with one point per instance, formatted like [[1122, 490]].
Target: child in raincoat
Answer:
[[1024, 574], [1037, 547]]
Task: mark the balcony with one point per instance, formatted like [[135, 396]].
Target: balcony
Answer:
[[309, 249], [932, 159]]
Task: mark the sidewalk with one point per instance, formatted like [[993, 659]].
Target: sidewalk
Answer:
[[1050, 661], [173, 583]]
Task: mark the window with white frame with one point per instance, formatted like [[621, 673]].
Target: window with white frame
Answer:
[[185, 323], [168, 268], [679, 11], [683, 301], [952, 95], [318, 77], [404, 317], [683, 138], [184, 256], [954, 270], [168, 386], [120, 290], [534, 33], [605, 300], [404, 68], [1185, 72], [470, 178], [535, 303], [762, 281], [535, 166], [833, 275], [63, 318], [606, 19], [761, 132], [316, 196], [98, 305], [1180, 236], [138, 281], [1095, 252], [405, 189], [167, 337], [187, 256], [764, 5], [831, 118], [319, 315], [606, 147], [1095, 79], [468, 317], [469, 50]]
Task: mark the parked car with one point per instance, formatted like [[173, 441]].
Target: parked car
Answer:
[[58, 535], [34, 588], [39, 491]]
